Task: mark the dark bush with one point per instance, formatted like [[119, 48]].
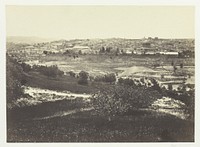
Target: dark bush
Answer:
[[126, 81], [120, 99], [156, 85], [83, 78], [72, 74], [111, 78], [99, 78]]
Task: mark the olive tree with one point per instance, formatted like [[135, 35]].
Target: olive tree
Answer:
[[118, 100]]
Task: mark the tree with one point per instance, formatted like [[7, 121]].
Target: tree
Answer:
[[102, 50], [170, 87], [45, 52], [121, 99], [108, 49], [120, 80], [126, 81], [172, 63], [72, 74], [80, 52], [108, 102], [156, 85], [181, 65], [111, 77], [175, 68], [117, 51], [67, 52], [83, 78]]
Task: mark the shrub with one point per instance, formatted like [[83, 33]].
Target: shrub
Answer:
[[72, 74], [99, 78], [126, 81], [110, 78], [83, 78], [120, 99], [156, 85]]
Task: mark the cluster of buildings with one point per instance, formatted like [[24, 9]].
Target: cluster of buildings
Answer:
[[147, 46]]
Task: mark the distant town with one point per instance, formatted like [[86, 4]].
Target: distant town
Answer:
[[112, 46]]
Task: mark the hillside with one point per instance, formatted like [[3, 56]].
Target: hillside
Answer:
[[29, 40]]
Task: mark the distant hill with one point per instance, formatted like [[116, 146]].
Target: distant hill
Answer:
[[29, 40]]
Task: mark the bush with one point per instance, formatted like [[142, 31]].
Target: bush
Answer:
[[126, 81], [111, 78], [156, 85], [120, 99], [99, 78], [83, 78], [72, 74]]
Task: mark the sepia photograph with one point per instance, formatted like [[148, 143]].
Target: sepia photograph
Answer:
[[100, 73]]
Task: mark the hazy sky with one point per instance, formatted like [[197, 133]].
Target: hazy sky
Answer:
[[69, 22]]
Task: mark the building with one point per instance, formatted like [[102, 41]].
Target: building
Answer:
[[82, 49]]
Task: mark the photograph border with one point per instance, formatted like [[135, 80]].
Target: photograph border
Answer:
[[3, 3]]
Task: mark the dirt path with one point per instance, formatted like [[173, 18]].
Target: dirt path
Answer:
[[64, 113]]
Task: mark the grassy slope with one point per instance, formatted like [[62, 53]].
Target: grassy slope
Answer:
[[63, 83], [88, 127]]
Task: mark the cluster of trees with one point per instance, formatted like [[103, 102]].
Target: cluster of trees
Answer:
[[72, 74], [105, 49], [48, 52], [128, 95], [175, 68], [50, 71], [83, 77], [110, 78], [126, 81], [186, 53], [15, 77], [110, 50], [73, 54]]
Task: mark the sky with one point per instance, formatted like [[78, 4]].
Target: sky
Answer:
[[82, 22]]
